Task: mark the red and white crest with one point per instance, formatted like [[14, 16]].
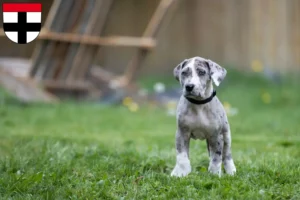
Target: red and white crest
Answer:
[[22, 21]]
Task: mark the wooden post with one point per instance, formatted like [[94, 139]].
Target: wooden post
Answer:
[[67, 66], [57, 20], [85, 54], [150, 31], [54, 69], [41, 46]]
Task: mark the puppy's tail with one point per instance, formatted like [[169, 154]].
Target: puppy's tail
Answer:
[[207, 145]]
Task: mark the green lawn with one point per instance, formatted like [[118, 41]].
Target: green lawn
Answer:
[[89, 151]]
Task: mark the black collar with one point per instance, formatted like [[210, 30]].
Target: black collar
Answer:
[[204, 101]]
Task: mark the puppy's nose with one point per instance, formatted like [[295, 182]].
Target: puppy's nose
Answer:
[[189, 87]]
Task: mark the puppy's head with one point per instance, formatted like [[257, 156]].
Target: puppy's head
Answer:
[[196, 75]]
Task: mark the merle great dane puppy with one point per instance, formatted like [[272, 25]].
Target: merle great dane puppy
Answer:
[[200, 115]]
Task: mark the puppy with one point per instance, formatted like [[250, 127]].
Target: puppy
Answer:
[[200, 115]]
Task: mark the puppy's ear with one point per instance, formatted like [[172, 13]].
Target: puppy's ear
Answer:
[[177, 69], [217, 73]]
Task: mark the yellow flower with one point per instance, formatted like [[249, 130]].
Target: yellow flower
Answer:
[[229, 109], [226, 105], [171, 104], [133, 107], [256, 66], [266, 98], [127, 101]]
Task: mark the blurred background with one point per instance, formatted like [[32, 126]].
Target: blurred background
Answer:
[[111, 49], [126, 40]]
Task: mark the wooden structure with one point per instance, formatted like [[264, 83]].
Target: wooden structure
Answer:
[[233, 33], [70, 39]]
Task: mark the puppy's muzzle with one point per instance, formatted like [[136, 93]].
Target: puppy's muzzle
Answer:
[[189, 87]]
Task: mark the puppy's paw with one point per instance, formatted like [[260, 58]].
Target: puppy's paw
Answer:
[[181, 170], [215, 169], [229, 167]]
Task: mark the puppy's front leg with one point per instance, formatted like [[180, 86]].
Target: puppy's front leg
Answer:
[[215, 152], [183, 166]]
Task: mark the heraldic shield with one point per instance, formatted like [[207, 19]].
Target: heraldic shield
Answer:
[[22, 22]]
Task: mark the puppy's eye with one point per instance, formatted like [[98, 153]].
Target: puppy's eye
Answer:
[[201, 72], [184, 73]]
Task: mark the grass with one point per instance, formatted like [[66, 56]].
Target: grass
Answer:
[[89, 151]]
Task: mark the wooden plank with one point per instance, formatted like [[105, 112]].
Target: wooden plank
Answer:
[[24, 89], [133, 66], [157, 18], [41, 46], [60, 19], [56, 47], [75, 85], [52, 72], [52, 13], [102, 74], [18, 67], [125, 41], [65, 66], [144, 43], [86, 54], [150, 32], [85, 14], [76, 63]]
